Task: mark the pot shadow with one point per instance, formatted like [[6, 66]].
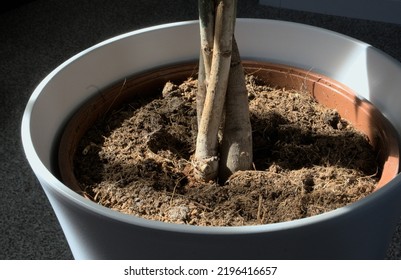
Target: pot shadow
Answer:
[[278, 141], [88, 165]]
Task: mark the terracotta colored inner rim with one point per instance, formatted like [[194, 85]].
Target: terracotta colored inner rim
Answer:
[[332, 94]]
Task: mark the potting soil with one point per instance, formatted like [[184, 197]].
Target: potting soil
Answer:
[[307, 160]]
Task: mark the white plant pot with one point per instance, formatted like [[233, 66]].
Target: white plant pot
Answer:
[[360, 230]]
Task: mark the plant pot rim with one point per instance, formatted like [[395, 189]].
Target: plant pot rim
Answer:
[[60, 189]]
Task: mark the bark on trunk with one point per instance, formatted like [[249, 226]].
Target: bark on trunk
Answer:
[[217, 21], [206, 154], [236, 145], [206, 19]]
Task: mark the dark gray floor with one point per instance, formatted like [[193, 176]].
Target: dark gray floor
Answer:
[[37, 37]]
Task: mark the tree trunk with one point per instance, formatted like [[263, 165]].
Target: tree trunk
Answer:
[[236, 145], [206, 19], [217, 21]]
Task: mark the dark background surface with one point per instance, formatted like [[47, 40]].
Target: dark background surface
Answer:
[[37, 36], [9, 5]]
